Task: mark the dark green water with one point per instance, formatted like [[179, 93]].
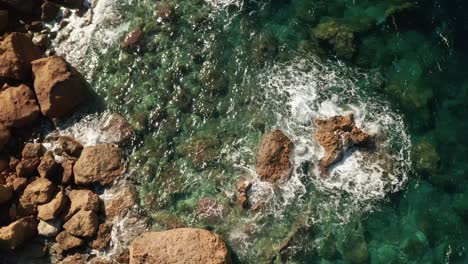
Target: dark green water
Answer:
[[206, 84]]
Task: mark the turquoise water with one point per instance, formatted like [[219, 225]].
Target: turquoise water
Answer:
[[209, 79]]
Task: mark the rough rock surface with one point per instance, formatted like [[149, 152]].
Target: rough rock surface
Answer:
[[273, 163], [32, 150], [70, 146], [39, 191], [98, 164], [117, 127], [17, 53], [54, 208], [48, 168], [82, 200], [184, 245], [67, 241], [18, 106], [27, 167], [122, 199], [336, 135], [82, 224], [17, 232], [103, 237], [4, 136], [48, 228], [132, 38], [59, 87]]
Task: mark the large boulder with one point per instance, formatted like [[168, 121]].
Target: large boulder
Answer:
[[183, 245], [17, 233], [273, 156], [49, 228], [82, 200], [32, 150], [122, 199], [67, 241], [39, 191], [17, 51], [82, 224], [337, 134], [18, 106], [54, 208], [59, 86], [98, 164]]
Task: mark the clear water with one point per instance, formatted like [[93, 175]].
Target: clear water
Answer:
[[203, 87]]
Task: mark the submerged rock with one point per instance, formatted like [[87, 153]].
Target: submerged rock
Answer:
[[59, 86], [123, 198], [17, 233], [273, 156], [338, 36], [184, 245], [133, 38], [18, 107], [98, 164], [336, 135], [17, 53]]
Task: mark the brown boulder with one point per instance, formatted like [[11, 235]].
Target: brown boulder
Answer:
[[98, 164], [5, 193], [32, 150], [49, 228], [103, 237], [184, 245], [27, 167], [59, 87], [67, 175], [336, 135], [18, 107], [54, 208], [70, 146], [49, 168], [4, 136], [243, 188], [17, 53], [117, 127], [67, 241], [132, 38], [39, 191], [121, 199], [17, 233], [82, 224], [82, 200], [19, 183], [273, 162]]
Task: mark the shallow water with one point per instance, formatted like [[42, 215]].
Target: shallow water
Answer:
[[205, 85]]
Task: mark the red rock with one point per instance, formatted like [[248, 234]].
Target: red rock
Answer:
[[82, 224], [184, 245], [39, 191], [103, 237], [132, 38], [70, 146], [117, 127], [32, 150], [67, 176], [19, 183], [84, 200], [67, 241], [27, 167], [6, 192], [122, 198], [54, 208], [49, 168], [18, 53], [4, 136], [273, 156], [336, 135], [17, 233], [59, 87], [243, 187], [18, 106], [98, 164]]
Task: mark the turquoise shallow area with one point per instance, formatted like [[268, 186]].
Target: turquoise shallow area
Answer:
[[195, 90]]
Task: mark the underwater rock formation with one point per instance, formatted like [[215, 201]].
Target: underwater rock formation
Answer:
[[336, 135], [273, 157]]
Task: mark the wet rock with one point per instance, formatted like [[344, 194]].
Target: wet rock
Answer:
[[17, 233], [98, 164], [168, 220], [338, 36], [67, 175], [426, 157], [117, 127], [41, 40], [3, 20], [104, 261], [243, 187], [18, 106], [4, 136], [6, 192], [273, 162], [54, 208], [166, 12], [49, 11], [74, 259], [24, 6], [18, 52], [192, 246], [336, 135], [201, 150], [264, 47], [32, 150], [103, 237], [49, 168], [71, 146], [84, 200], [123, 198], [67, 241], [59, 86], [82, 224], [27, 167], [39, 191], [210, 210], [132, 39], [49, 228]]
